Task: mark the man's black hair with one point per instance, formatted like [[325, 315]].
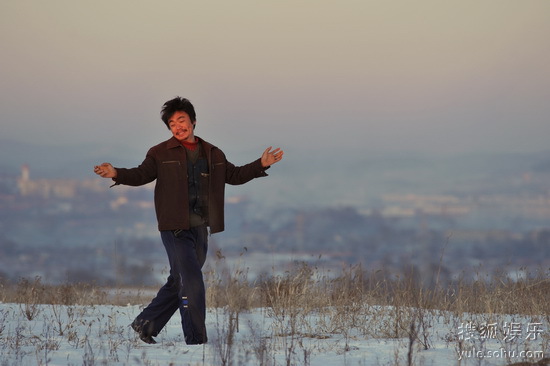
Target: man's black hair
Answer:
[[178, 104]]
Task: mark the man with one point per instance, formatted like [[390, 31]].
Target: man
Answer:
[[190, 178]]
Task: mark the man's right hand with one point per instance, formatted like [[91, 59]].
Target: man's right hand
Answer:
[[105, 170]]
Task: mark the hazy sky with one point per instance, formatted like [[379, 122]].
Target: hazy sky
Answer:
[[430, 76]]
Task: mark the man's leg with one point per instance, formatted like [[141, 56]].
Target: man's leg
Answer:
[[155, 316], [193, 294], [184, 289], [190, 248]]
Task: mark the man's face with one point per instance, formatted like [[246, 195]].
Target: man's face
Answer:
[[181, 126]]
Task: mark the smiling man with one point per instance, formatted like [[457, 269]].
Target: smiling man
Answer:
[[190, 178]]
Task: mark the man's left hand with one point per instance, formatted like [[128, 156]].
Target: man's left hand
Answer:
[[270, 157]]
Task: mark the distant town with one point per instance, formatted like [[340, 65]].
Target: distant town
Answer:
[[64, 230]]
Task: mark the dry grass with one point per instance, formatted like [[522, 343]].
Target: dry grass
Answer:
[[308, 302], [35, 291], [308, 287]]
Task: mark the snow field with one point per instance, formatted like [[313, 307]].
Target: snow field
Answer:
[[356, 335]]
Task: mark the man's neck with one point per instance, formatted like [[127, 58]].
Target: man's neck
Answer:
[[190, 145]]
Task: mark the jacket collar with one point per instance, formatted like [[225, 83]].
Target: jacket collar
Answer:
[[174, 142]]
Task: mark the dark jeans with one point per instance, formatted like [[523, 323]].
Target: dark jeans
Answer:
[[184, 288]]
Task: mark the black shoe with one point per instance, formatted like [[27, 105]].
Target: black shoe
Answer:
[[147, 339], [143, 329]]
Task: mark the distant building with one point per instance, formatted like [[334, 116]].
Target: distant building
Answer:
[[45, 188]]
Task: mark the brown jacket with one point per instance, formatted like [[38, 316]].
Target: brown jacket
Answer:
[[167, 163]]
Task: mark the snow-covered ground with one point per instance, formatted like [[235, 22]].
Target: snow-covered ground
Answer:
[[100, 335]]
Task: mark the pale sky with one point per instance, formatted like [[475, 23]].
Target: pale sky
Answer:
[[429, 76]]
